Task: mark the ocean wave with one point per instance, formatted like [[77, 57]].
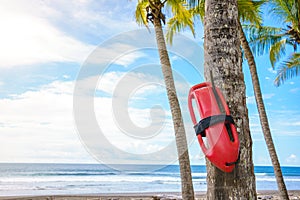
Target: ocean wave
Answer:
[[273, 179], [72, 174], [71, 178]]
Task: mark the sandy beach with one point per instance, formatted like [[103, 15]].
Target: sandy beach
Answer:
[[264, 195]]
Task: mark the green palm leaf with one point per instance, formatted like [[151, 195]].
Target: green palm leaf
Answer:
[[277, 50], [261, 39], [286, 10], [182, 18], [249, 11], [141, 13], [199, 10], [274, 40], [176, 25], [288, 69]]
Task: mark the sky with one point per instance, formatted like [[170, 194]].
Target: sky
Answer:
[[80, 82]]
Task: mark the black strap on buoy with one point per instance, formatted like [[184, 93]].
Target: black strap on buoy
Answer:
[[205, 123], [210, 121]]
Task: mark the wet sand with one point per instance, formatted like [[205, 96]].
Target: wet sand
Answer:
[[264, 195]]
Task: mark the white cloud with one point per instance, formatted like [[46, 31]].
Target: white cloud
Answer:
[[28, 37], [115, 53], [130, 89], [127, 59], [268, 96], [174, 58], [250, 100], [131, 82], [271, 70], [292, 159], [267, 78], [38, 126], [96, 19], [66, 76], [281, 127], [292, 123], [296, 124]]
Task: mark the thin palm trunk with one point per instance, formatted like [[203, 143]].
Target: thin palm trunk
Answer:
[[181, 142], [262, 114], [223, 57]]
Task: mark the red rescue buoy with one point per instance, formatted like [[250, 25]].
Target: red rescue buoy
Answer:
[[216, 124]]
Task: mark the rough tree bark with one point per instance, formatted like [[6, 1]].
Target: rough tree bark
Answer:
[[262, 114], [223, 56], [181, 142]]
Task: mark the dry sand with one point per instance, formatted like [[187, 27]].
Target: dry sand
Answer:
[[273, 195]]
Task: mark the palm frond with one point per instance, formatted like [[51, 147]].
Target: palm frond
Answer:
[[277, 50], [261, 39], [193, 3], [199, 10], [286, 10], [295, 15], [281, 8], [249, 11], [176, 25], [182, 18], [141, 13], [288, 69], [178, 7]]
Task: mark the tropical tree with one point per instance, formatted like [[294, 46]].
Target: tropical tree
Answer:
[[223, 57], [251, 14], [249, 11], [275, 40], [151, 11], [263, 115]]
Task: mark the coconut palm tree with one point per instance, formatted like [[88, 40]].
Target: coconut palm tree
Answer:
[[251, 14], [275, 40], [263, 116], [151, 11], [249, 11], [223, 57]]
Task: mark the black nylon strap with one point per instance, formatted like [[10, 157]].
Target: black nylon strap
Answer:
[[212, 120]]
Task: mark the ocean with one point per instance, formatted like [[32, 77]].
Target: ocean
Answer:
[[69, 179]]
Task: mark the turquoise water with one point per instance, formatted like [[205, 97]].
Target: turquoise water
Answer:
[[44, 179]]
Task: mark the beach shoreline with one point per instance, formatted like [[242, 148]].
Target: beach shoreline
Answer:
[[267, 194]]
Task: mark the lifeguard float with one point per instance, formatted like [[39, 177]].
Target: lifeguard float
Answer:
[[216, 125]]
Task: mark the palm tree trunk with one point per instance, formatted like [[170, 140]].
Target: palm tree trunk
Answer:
[[223, 57], [262, 114], [181, 142]]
